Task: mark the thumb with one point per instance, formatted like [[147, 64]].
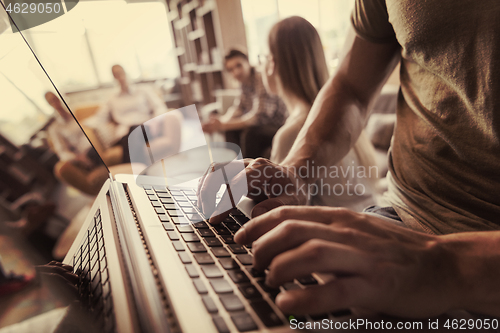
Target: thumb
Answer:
[[269, 204]]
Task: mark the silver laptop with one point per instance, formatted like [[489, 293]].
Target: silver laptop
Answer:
[[149, 261]]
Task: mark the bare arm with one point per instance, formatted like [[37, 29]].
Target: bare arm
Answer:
[[379, 266], [339, 112], [242, 121], [331, 129]]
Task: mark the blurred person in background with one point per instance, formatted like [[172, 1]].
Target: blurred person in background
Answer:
[[295, 69], [79, 165], [131, 107], [256, 115]]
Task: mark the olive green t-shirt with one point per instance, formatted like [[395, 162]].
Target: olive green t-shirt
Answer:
[[445, 156]]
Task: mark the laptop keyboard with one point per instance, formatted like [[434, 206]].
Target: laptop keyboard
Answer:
[[210, 250], [90, 264]]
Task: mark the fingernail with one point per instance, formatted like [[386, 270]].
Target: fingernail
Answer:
[[258, 211], [241, 236], [283, 301]]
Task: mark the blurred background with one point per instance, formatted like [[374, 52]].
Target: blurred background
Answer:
[[172, 47]]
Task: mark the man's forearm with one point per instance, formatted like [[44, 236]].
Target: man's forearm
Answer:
[[331, 129], [339, 111], [477, 258]]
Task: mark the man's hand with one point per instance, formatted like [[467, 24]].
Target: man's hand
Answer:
[[377, 265], [268, 183], [60, 279]]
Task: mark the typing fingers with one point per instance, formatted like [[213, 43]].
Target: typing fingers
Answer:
[[336, 295], [259, 225], [318, 255], [293, 233], [218, 175]]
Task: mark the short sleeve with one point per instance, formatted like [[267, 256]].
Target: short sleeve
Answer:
[[371, 21]]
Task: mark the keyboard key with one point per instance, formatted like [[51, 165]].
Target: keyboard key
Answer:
[[200, 286], [203, 258], [185, 204], [249, 291], [233, 226], [149, 190], [159, 210], [190, 238], [156, 204], [171, 206], [231, 303], [163, 195], [242, 219], [220, 324], [189, 210], [236, 212], [206, 233], [245, 259], [168, 226], [268, 289], [196, 247], [200, 224], [192, 271], [210, 305], [212, 242], [228, 220], [152, 197], [243, 322], [211, 271], [179, 246], [164, 218], [308, 280], [184, 228], [237, 249], [221, 286], [291, 286], [221, 230], [173, 235], [175, 213], [220, 252], [228, 239], [266, 313], [179, 220], [166, 201], [228, 263], [255, 273], [180, 198], [238, 276], [185, 258]]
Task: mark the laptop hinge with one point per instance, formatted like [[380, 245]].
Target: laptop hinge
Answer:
[[148, 300]]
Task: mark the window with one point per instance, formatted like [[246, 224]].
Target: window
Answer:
[[330, 17], [78, 49]]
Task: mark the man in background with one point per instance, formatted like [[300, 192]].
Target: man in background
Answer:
[[131, 107], [255, 115]]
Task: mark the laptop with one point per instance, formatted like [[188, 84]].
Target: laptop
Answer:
[[149, 261]]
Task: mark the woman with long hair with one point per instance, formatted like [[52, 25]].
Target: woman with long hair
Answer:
[[295, 69]]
